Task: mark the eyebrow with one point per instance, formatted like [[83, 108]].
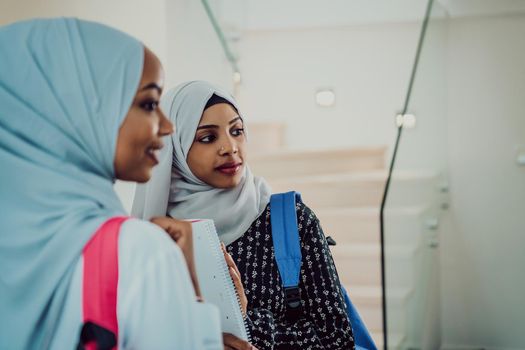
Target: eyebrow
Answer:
[[152, 86], [216, 126]]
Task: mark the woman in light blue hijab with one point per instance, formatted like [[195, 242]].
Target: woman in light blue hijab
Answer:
[[75, 114]]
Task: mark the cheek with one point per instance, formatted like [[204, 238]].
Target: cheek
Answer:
[[142, 133], [200, 161], [242, 150]]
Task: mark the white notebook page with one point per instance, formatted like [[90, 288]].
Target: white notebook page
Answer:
[[214, 278]]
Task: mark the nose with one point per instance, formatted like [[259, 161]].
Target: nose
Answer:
[[166, 127], [228, 147]]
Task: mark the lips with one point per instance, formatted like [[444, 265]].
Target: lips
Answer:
[[230, 168], [153, 153]]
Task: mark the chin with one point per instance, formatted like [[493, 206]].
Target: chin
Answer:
[[232, 184], [224, 184], [142, 177]]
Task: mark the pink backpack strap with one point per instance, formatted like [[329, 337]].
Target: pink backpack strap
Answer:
[[99, 288]]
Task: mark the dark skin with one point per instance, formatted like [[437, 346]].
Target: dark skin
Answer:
[[139, 139], [219, 141], [140, 135]]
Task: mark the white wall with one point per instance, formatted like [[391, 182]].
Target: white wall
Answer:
[[483, 282], [194, 52], [144, 20], [368, 66]]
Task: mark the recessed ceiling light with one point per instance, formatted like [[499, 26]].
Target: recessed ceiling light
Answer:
[[236, 77], [408, 121], [325, 97]]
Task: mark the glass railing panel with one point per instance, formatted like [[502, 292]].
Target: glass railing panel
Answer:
[[417, 196]]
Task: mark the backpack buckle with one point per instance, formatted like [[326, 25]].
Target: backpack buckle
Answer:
[[93, 333], [294, 308]]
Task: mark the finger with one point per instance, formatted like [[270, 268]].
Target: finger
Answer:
[[155, 219], [223, 248], [240, 291], [236, 280], [231, 263], [225, 253], [227, 339], [161, 222], [229, 259], [175, 237], [236, 268], [235, 343]]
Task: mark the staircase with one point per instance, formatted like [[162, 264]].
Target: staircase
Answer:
[[344, 187]]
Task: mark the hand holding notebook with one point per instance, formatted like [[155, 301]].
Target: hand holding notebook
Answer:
[[212, 270], [235, 274], [181, 232], [215, 280]]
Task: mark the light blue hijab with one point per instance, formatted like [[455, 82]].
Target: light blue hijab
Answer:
[[65, 87]]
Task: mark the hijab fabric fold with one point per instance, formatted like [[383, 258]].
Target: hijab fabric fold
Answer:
[[65, 87], [176, 191]]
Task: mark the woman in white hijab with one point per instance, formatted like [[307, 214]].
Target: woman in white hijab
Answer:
[[79, 109], [204, 174]]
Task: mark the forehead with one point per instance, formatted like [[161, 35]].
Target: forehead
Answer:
[[152, 70], [221, 113]]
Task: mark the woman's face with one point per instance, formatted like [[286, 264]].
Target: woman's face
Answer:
[[139, 137], [217, 155]]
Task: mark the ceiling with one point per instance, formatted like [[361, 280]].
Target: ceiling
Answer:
[[292, 14]]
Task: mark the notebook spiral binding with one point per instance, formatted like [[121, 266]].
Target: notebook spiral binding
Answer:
[[244, 321], [227, 277]]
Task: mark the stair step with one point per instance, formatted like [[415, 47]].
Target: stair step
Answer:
[[343, 190], [350, 225], [371, 251], [395, 340], [359, 189], [353, 225], [372, 295], [360, 263], [265, 137], [304, 163], [368, 300]]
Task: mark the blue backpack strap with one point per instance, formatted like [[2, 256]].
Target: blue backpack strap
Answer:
[[287, 248], [362, 338]]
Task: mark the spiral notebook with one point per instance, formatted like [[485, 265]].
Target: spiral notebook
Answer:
[[214, 278]]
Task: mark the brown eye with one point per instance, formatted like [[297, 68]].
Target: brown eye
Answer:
[[237, 132], [207, 139], [149, 106]]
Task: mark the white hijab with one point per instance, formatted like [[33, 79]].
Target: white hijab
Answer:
[[175, 190]]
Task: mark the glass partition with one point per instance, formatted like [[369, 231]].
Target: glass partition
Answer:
[[417, 197], [360, 69], [325, 98], [453, 210]]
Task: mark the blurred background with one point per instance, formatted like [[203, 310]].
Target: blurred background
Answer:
[[330, 90]]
